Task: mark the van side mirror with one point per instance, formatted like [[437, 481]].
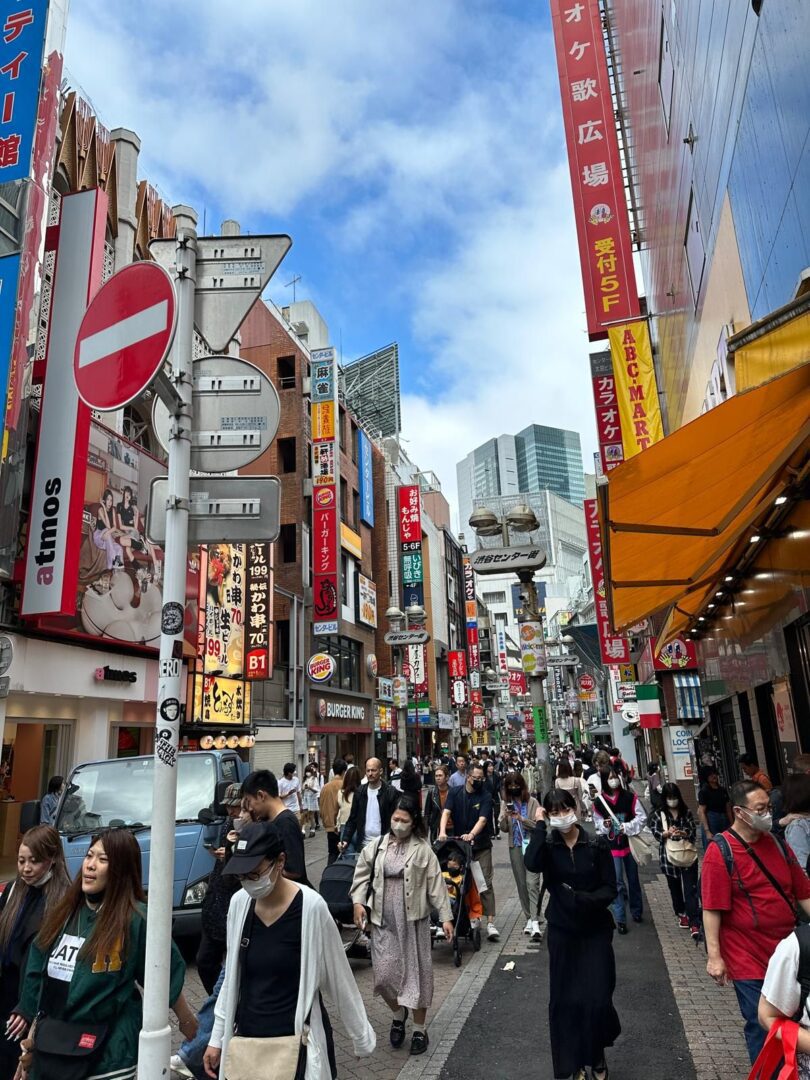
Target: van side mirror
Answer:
[[206, 816], [29, 815]]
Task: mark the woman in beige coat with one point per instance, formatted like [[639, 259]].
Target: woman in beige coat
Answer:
[[397, 882]]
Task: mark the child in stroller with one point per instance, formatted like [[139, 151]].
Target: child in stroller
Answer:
[[455, 858]]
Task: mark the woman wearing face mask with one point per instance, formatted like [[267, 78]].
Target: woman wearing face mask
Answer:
[[673, 821], [85, 969], [517, 821], [399, 880], [284, 950], [42, 880], [578, 873], [617, 814]]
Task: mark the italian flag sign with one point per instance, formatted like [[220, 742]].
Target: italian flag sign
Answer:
[[649, 705]]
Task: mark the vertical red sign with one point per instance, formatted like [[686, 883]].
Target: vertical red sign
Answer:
[[457, 664], [608, 419], [259, 612], [603, 227], [614, 647]]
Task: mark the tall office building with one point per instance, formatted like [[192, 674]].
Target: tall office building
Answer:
[[537, 459], [550, 458], [488, 471]]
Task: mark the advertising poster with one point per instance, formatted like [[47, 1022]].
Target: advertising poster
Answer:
[[225, 590], [119, 593], [367, 599], [221, 701], [614, 648]]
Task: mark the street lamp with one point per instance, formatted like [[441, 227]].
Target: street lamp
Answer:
[[522, 519]]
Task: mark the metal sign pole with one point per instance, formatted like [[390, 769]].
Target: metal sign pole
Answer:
[[154, 1048]]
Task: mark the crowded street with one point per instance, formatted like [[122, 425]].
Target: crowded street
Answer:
[[405, 540]]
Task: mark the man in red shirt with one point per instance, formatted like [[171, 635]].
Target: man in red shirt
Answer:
[[745, 914]]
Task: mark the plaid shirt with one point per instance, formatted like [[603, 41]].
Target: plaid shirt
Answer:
[[684, 822]]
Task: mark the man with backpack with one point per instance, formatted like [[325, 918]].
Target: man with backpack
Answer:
[[751, 889]]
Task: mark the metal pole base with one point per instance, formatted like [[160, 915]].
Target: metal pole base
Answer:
[[154, 1052]]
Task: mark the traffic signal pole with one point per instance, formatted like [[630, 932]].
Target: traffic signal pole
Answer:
[[154, 1047]]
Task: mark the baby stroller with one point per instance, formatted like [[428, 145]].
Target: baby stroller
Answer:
[[458, 904], [336, 889]]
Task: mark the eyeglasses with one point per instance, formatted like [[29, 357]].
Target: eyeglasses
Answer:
[[254, 875]]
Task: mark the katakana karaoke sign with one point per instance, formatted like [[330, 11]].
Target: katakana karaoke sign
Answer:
[[603, 227], [614, 648], [608, 416]]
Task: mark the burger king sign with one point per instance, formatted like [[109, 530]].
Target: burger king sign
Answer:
[[321, 667]]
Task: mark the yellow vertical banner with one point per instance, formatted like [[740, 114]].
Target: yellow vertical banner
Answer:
[[636, 386]]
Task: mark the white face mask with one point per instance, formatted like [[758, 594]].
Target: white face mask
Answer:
[[673, 803], [43, 880], [258, 890], [760, 822], [401, 830], [565, 821], [614, 782]]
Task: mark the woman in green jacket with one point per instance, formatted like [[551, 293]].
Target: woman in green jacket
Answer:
[[84, 970]]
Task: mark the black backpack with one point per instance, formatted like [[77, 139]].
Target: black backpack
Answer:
[[724, 847]]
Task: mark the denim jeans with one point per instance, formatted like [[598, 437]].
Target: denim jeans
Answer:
[[748, 993], [193, 1050], [626, 864]]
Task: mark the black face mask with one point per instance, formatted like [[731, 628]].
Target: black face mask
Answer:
[[477, 785], [514, 792]]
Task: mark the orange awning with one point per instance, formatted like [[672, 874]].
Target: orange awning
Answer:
[[675, 517]]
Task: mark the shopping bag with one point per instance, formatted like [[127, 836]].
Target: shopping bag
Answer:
[[478, 877], [777, 1059]]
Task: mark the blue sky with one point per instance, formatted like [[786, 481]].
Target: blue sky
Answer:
[[413, 151]]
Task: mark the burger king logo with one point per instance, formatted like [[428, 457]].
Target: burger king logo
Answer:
[[321, 667], [324, 496]]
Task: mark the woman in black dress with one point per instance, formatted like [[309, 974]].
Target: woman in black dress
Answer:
[[579, 876]]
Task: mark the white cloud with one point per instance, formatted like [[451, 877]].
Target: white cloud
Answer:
[[423, 139], [504, 323]]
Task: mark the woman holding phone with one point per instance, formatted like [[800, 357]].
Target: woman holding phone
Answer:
[[517, 821]]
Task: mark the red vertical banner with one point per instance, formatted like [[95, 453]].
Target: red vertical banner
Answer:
[[325, 472], [614, 648], [603, 226], [608, 418], [259, 612], [457, 664]]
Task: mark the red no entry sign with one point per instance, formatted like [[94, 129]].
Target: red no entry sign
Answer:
[[586, 683], [125, 335]]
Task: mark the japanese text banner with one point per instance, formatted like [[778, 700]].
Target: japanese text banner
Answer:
[[603, 226], [636, 387], [614, 648]]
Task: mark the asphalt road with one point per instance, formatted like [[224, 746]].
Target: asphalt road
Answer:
[[507, 1031]]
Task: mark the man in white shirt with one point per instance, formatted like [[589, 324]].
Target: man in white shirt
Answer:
[[372, 807], [289, 789]]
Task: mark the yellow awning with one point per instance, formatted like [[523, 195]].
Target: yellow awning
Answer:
[[674, 516], [772, 346]]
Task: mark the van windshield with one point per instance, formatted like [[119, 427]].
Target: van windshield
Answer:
[[106, 794]]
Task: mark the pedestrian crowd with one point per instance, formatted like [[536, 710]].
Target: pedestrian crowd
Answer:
[[411, 847]]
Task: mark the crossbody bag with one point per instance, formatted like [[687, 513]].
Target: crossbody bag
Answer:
[[282, 1057], [681, 853], [640, 846], [750, 851], [65, 1049]]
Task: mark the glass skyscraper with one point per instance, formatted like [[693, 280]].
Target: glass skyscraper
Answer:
[[550, 458]]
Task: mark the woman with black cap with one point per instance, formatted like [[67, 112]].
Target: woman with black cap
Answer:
[[269, 1021]]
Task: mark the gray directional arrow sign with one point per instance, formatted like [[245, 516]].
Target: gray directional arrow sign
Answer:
[[232, 272]]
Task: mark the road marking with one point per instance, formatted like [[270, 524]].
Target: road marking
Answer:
[[144, 324]]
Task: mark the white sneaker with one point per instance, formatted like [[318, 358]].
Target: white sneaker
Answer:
[[537, 933], [527, 929], [492, 932], [179, 1067]]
